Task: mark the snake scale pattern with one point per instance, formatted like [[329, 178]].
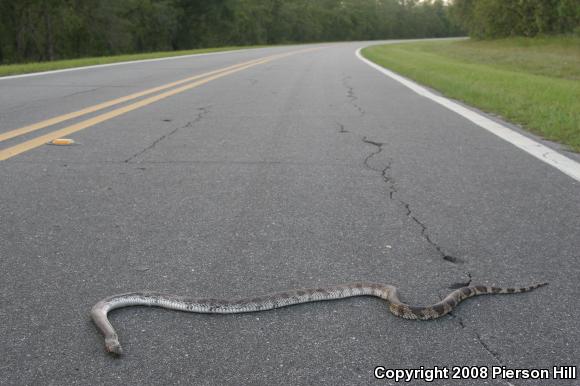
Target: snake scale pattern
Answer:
[[282, 299]]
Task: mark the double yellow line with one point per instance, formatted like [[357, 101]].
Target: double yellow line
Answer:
[[185, 84]]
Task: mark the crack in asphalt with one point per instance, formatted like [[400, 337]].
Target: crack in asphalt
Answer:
[[351, 95], [488, 349], [81, 92], [462, 284], [387, 178], [386, 175], [15, 109], [202, 111], [342, 130], [459, 321], [389, 181]]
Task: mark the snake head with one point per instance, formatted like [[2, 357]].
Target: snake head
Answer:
[[113, 346]]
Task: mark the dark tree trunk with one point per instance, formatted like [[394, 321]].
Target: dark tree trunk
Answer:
[[49, 46]]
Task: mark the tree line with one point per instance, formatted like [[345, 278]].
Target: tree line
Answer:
[[42, 30], [503, 18]]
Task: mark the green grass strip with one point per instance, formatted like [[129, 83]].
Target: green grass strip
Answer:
[[533, 84]]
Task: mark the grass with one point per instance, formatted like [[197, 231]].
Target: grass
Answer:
[[532, 82], [25, 68]]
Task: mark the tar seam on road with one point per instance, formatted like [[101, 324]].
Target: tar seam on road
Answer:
[[541, 152], [41, 140]]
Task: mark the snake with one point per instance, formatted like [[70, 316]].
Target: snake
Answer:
[[99, 312]]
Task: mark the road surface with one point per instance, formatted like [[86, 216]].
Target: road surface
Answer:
[[297, 166]]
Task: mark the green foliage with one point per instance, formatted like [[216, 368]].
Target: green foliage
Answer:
[[44, 30], [534, 82], [503, 18]]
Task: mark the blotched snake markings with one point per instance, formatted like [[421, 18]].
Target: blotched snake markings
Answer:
[[283, 299]]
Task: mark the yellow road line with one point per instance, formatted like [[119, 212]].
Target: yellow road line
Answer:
[[100, 106], [43, 139]]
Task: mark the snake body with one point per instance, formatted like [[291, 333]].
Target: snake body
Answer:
[[283, 299]]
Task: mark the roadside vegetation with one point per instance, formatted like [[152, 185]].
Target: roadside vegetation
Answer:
[[490, 19], [534, 82], [522, 63], [48, 30]]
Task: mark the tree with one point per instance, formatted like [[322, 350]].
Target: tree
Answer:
[[501, 18], [32, 30]]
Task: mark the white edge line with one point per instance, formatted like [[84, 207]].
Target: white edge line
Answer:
[[124, 63], [542, 152]]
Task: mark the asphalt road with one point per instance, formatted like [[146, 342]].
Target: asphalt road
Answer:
[[307, 170]]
